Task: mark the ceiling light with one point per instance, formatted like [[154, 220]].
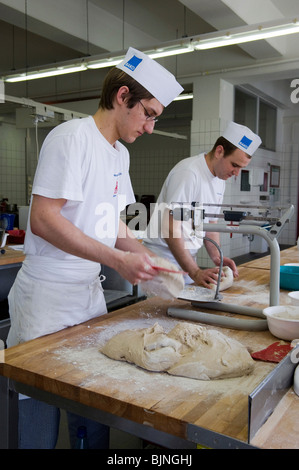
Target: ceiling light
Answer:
[[153, 54], [184, 96], [236, 36], [44, 73], [167, 52], [247, 35], [100, 64]]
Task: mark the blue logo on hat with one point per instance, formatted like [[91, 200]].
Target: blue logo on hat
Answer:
[[245, 142], [133, 63]]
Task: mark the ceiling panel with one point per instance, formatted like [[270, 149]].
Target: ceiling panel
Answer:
[[50, 32]]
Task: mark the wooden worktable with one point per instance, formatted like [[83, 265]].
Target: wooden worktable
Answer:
[[281, 430], [290, 255], [11, 256], [68, 364]]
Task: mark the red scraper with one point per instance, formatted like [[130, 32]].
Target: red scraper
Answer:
[[166, 270], [273, 353]]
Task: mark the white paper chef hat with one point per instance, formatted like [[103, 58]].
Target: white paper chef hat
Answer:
[[151, 75], [242, 137]]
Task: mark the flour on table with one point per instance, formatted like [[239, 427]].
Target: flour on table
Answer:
[[188, 350], [149, 348], [227, 279], [165, 285]]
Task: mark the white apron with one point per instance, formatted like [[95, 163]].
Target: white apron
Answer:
[[47, 297]]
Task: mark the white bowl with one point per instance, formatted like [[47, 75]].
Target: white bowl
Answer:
[[294, 296], [291, 264], [283, 321]]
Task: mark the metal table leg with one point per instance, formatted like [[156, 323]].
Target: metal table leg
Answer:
[[8, 416]]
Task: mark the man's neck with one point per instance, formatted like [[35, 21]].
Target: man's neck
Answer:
[[104, 121], [209, 162]]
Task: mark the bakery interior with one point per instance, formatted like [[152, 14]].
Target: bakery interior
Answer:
[[255, 83]]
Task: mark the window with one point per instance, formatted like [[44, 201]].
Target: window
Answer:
[[255, 113], [246, 109], [267, 125]]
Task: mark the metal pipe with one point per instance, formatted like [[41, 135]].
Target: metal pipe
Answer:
[[219, 320], [231, 308], [274, 252], [220, 265]]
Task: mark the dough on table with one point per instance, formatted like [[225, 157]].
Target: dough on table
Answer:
[[209, 354], [188, 350], [148, 348], [165, 285], [227, 279]]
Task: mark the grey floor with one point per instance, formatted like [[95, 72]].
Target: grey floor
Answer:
[[120, 439]]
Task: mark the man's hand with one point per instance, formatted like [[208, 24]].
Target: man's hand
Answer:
[[135, 267], [205, 277]]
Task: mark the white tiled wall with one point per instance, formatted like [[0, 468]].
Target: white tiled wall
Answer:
[[151, 160], [12, 164]]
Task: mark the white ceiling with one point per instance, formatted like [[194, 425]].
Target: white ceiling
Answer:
[[39, 32]]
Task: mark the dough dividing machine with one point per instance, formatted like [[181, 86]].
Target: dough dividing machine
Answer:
[[267, 223]]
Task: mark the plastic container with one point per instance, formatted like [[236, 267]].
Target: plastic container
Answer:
[[289, 277], [16, 236], [283, 321], [82, 442], [296, 381], [294, 296], [7, 221]]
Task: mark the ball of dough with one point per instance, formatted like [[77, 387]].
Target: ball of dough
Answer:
[[227, 279], [165, 285]]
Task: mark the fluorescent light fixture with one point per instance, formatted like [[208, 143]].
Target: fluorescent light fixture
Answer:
[[100, 64], [236, 36], [153, 54], [167, 52], [241, 37], [44, 73], [184, 96]]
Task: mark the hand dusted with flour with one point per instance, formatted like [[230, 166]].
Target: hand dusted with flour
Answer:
[[227, 279]]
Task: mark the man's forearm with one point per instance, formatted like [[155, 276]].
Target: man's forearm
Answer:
[[126, 241]]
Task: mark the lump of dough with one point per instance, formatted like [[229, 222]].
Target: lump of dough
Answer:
[[209, 354], [188, 350], [227, 279], [165, 285], [149, 348]]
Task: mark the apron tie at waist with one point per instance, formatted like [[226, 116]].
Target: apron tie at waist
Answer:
[[58, 270], [97, 284]]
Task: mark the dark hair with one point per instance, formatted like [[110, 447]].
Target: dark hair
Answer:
[[228, 147], [115, 79]]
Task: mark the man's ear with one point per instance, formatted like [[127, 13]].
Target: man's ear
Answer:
[[122, 94], [219, 152]]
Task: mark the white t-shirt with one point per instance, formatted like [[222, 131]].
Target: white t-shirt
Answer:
[[78, 164], [189, 181]]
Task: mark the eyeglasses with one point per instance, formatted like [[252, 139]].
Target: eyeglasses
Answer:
[[148, 117]]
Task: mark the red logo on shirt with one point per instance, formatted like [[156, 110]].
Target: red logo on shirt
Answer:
[[116, 184], [115, 189]]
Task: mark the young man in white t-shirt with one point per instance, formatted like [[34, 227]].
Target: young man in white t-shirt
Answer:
[[200, 179], [81, 185]]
